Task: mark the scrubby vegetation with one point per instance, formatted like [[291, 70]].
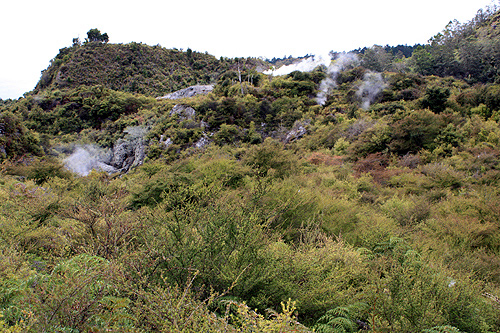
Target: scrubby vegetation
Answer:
[[135, 67], [291, 216]]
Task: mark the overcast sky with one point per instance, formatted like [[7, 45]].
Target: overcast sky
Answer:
[[33, 31]]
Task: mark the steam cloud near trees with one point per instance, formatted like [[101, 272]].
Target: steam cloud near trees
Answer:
[[372, 83]]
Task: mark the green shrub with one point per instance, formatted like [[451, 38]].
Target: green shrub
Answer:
[[40, 170], [406, 211], [343, 319], [416, 131], [216, 237], [15, 139], [271, 159], [411, 295], [227, 134], [435, 98]]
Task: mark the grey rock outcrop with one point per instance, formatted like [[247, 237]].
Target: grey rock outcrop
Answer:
[[189, 92], [202, 142], [122, 150], [185, 112], [129, 151], [165, 141], [298, 130], [126, 154]]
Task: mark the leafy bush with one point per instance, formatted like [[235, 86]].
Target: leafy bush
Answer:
[[15, 139], [435, 98], [414, 132], [406, 211], [70, 296], [39, 170], [270, 159], [411, 295]]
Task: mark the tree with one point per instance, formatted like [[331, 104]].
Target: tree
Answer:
[[435, 98], [416, 131], [423, 61], [377, 59], [94, 35]]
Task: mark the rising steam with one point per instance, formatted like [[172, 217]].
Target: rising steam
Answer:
[[372, 83], [127, 152], [305, 65], [88, 157], [341, 63]]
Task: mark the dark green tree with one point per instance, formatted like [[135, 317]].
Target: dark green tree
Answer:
[[94, 35], [377, 58], [423, 61], [416, 131], [435, 98]]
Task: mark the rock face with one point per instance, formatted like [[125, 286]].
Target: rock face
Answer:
[[129, 151], [189, 92], [202, 142], [126, 154], [298, 130], [185, 112]]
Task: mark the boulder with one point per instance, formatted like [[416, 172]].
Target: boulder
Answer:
[[185, 112], [202, 142], [122, 150], [298, 130], [189, 92], [166, 141], [128, 153], [139, 155]]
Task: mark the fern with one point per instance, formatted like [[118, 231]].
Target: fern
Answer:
[[323, 328], [324, 319], [442, 329], [80, 264], [341, 318], [340, 311], [358, 309], [343, 324]]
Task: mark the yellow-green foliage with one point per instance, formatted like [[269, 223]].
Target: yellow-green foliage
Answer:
[[158, 248], [134, 67], [15, 138], [385, 218], [251, 321]]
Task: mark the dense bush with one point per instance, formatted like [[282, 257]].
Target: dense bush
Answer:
[[261, 211], [15, 139]]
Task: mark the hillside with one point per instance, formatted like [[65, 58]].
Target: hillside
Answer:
[[136, 68], [361, 196], [465, 50]]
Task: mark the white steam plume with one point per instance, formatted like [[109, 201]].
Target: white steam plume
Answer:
[[343, 61], [86, 158], [305, 65], [373, 83]]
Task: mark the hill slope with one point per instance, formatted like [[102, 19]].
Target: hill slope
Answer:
[[136, 68], [373, 208], [469, 50]]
